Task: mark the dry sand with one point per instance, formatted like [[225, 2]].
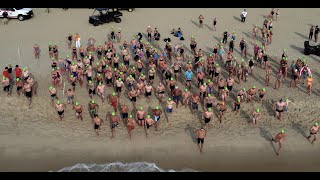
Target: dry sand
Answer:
[[35, 140]]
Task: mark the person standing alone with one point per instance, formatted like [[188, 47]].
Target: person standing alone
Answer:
[[316, 32], [244, 15], [311, 33]]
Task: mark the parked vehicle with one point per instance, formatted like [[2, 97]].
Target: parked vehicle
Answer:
[[17, 13], [308, 49], [106, 15], [128, 9]]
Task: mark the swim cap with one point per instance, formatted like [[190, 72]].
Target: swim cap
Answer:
[[100, 83], [99, 74], [121, 72], [130, 76], [169, 99], [287, 100], [148, 116], [204, 84], [244, 89], [122, 64], [217, 65], [71, 75], [225, 88], [90, 82], [253, 87], [119, 79], [238, 100], [209, 95], [142, 74], [73, 63], [316, 124], [113, 113], [186, 89], [130, 116], [263, 89], [209, 80], [133, 67], [92, 101], [107, 66], [18, 79], [113, 94], [282, 131], [115, 69], [141, 107], [209, 109], [157, 107], [58, 102], [77, 103], [50, 87], [258, 110]]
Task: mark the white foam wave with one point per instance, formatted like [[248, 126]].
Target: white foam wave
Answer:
[[120, 167]]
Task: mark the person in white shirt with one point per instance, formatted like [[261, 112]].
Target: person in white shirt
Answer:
[[244, 15]]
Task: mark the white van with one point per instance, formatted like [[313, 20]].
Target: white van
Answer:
[[20, 13]]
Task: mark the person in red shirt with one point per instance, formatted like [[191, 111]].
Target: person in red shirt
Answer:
[[6, 73], [18, 71]]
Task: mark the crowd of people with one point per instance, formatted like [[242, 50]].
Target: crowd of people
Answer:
[[186, 76]]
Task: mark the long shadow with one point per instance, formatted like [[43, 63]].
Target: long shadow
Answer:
[[269, 108], [190, 131], [217, 38], [195, 23], [267, 136], [298, 128], [245, 115], [237, 18], [199, 116], [146, 37], [247, 34], [210, 28], [301, 35], [264, 16], [297, 48], [258, 78]]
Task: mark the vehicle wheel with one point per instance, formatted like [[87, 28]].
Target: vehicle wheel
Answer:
[[117, 20], [20, 17], [115, 9], [307, 51], [130, 9], [96, 24]]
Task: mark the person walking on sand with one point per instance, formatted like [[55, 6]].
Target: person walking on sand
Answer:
[[113, 101], [207, 115], [148, 123], [124, 113], [316, 32], [60, 109], [311, 32], [277, 14], [222, 109], [130, 124], [36, 51], [6, 85], [201, 134], [93, 108], [201, 18], [214, 24], [97, 123], [79, 109], [279, 107], [141, 116], [157, 113], [244, 15], [114, 122], [309, 82], [280, 138], [256, 115], [313, 132], [77, 39]]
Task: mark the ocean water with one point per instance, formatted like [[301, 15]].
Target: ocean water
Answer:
[[120, 167]]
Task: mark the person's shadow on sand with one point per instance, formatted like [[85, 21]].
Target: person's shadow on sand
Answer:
[[301, 35], [237, 18], [298, 128], [195, 23], [190, 131], [210, 28], [267, 136]]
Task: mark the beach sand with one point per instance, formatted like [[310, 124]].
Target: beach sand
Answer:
[[35, 140]]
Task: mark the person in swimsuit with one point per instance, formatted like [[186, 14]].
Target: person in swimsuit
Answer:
[[237, 103], [268, 73], [255, 115], [207, 115], [79, 109], [280, 138], [97, 123], [19, 85], [201, 18], [262, 92], [36, 50], [309, 82], [149, 122], [200, 135], [60, 109], [279, 107], [214, 24], [141, 115], [93, 108], [313, 132], [6, 85], [222, 109], [114, 123]]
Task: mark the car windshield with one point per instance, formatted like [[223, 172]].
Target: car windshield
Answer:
[[18, 8]]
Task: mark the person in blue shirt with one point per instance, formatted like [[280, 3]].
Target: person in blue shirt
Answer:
[[188, 76]]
